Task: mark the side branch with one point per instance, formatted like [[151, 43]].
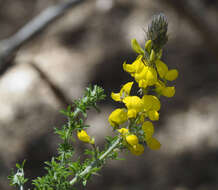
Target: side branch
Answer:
[[93, 164], [37, 24], [58, 93]]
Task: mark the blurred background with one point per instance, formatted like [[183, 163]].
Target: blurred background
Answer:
[[87, 44]]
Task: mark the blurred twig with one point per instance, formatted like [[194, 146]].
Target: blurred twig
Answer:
[[9, 46], [58, 93], [196, 19]]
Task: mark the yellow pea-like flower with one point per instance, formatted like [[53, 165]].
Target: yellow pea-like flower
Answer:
[[171, 75], [153, 144], [162, 68], [132, 140], [116, 96], [124, 92], [137, 149], [168, 91], [148, 74], [134, 105], [136, 47], [142, 83], [151, 102], [83, 136], [128, 68], [117, 117], [153, 115], [141, 75], [132, 113], [123, 131], [151, 76], [159, 87], [136, 67], [148, 129]]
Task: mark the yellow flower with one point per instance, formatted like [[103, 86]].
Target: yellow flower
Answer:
[[148, 76], [153, 143], [153, 115], [171, 75], [117, 117], [136, 47], [163, 90], [132, 140], [151, 106], [143, 83], [148, 129], [169, 91], [151, 102], [135, 67], [123, 131], [134, 105], [162, 68], [151, 76], [83, 136], [124, 92], [159, 87], [141, 75], [137, 149]]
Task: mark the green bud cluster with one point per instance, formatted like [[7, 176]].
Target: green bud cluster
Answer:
[[157, 32]]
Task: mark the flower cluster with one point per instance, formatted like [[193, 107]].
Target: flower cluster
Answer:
[[134, 121]]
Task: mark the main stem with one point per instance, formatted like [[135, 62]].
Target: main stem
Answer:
[[93, 164]]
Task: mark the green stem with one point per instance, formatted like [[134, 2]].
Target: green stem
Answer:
[[76, 112], [93, 164]]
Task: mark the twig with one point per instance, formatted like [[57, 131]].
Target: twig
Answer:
[[9, 46], [59, 94], [93, 164]]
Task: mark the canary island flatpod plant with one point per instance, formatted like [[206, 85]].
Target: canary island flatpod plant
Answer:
[[132, 124]]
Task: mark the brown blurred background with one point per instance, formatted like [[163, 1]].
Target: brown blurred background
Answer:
[[87, 45]]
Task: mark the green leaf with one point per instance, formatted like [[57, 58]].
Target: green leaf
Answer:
[[84, 182]]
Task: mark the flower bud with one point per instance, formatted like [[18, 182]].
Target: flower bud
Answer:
[[83, 136], [148, 45], [132, 140], [117, 117], [123, 131], [152, 55], [136, 47]]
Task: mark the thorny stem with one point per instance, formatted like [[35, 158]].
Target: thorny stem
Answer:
[[93, 164]]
